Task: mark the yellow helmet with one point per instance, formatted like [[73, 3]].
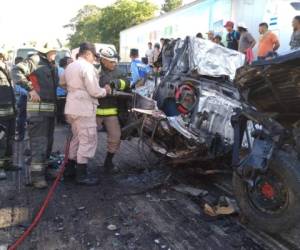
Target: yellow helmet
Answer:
[[47, 47]]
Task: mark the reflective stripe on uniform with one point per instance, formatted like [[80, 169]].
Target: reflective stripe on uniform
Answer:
[[122, 84], [42, 107], [37, 167], [6, 111], [107, 111]]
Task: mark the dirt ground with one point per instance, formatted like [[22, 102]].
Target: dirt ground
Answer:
[[136, 209]]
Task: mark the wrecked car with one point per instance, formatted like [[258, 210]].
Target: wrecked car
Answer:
[[212, 112]]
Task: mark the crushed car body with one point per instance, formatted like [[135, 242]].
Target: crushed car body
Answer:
[[202, 114], [196, 95]]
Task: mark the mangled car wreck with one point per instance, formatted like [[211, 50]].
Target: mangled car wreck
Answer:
[[204, 111]]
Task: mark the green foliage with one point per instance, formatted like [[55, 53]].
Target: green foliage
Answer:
[[171, 5], [122, 15], [85, 26], [86, 11], [86, 30], [104, 25]]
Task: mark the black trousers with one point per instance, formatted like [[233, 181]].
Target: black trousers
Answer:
[[21, 117], [41, 132], [6, 144], [60, 114]]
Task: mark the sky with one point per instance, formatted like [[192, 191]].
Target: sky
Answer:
[[41, 20]]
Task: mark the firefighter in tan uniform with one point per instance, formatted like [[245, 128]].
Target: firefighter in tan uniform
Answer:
[[82, 81], [38, 75], [107, 111]]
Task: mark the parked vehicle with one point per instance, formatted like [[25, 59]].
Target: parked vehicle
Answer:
[[198, 116], [123, 70], [24, 52], [61, 53]]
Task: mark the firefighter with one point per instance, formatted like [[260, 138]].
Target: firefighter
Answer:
[[107, 111], [7, 117], [81, 78], [38, 75]]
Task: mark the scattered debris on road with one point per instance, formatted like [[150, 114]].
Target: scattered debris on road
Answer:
[[112, 227], [190, 190], [225, 206]]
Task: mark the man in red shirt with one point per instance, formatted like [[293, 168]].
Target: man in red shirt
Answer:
[[268, 43]]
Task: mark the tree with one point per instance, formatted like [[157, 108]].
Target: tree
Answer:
[[104, 25], [84, 12], [171, 5], [122, 15], [85, 26], [86, 30]]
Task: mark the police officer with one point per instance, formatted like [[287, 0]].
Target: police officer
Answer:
[[38, 75], [107, 111], [138, 69], [7, 117]]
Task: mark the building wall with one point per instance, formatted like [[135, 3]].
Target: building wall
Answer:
[[205, 15], [200, 16]]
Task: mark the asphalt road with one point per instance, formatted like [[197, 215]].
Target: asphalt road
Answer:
[[136, 209]]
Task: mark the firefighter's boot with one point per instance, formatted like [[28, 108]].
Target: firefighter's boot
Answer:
[[82, 176], [38, 179], [70, 170], [109, 166]]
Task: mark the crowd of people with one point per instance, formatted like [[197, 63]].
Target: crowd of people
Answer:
[[268, 42], [242, 40]]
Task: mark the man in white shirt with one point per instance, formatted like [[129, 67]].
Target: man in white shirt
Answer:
[[150, 54]]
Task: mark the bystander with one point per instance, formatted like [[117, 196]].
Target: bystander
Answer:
[[295, 39], [61, 92], [268, 43], [150, 54], [210, 35], [21, 98], [232, 37], [199, 35], [218, 40]]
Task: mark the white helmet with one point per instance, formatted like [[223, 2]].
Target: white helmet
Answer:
[[109, 53], [47, 47], [242, 25]]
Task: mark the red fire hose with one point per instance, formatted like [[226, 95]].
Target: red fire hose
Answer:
[[46, 201]]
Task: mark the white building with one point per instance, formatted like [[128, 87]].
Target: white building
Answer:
[[204, 15]]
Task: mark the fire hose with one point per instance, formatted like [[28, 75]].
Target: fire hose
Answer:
[[46, 201]]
